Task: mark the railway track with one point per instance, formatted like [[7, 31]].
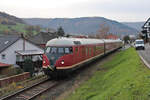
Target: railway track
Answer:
[[33, 91]]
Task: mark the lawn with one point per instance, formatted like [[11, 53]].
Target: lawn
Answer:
[[18, 27], [123, 78], [21, 28]]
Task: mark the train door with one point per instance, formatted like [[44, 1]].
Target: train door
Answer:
[[94, 50], [83, 54], [80, 53], [90, 52], [76, 54], [86, 52]]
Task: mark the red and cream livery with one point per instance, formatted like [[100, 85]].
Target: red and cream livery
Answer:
[[63, 55]]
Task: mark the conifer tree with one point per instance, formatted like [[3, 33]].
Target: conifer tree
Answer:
[[60, 31]]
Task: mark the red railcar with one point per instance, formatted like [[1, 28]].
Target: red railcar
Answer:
[[63, 55]]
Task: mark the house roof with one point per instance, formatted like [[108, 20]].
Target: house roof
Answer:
[[7, 40], [4, 65], [111, 36], [146, 23], [42, 37]]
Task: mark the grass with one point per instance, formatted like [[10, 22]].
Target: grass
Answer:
[[123, 78], [20, 28]]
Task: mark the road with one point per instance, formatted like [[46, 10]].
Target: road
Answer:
[[145, 53]]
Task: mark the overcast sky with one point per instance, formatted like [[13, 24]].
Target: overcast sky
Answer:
[[120, 10]]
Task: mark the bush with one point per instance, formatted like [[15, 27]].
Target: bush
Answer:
[[28, 66], [13, 71], [19, 70]]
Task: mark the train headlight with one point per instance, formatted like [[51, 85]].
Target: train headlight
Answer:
[[62, 62], [44, 62]]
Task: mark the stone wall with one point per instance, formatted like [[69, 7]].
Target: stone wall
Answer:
[[16, 78]]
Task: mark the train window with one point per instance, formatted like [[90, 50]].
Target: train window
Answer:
[[53, 50], [76, 49], [67, 50], [48, 50], [90, 51], [99, 48], [86, 51], [94, 50], [60, 50]]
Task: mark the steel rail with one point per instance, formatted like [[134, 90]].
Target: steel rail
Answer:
[[22, 90]]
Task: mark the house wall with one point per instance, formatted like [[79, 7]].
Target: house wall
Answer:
[[10, 57]]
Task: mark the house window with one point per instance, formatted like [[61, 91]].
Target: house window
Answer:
[[3, 56]]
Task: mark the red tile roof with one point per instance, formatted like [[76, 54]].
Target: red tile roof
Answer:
[[79, 36], [111, 36], [4, 65]]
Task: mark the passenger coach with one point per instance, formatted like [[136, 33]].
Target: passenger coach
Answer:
[[63, 55]]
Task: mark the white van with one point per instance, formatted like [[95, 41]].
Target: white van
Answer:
[[139, 44]]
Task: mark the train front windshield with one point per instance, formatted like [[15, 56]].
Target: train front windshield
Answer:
[[59, 50]]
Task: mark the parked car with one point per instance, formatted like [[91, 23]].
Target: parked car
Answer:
[[139, 44]]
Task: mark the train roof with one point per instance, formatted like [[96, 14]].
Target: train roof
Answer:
[[63, 41]]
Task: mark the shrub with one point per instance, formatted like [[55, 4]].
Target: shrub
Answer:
[[19, 70], [13, 71], [28, 66]]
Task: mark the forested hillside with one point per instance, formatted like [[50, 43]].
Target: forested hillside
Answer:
[[12, 25], [83, 25]]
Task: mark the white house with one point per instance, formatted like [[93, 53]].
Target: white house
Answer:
[[15, 48], [146, 28]]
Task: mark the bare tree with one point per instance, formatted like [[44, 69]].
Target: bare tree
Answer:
[[37, 28], [91, 36], [103, 31], [126, 39], [6, 31], [29, 31]]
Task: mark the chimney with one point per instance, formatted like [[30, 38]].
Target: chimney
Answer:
[[22, 36]]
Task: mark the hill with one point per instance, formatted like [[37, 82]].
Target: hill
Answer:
[[136, 25], [9, 19], [37, 21], [10, 24], [83, 25]]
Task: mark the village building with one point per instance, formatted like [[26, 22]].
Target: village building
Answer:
[[112, 36], [15, 49], [146, 30], [42, 38]]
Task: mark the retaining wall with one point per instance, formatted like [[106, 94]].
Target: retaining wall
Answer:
[[15, 78]]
